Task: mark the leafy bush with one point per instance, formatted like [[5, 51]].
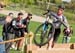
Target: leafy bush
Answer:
[[15, 1], [58, 1]]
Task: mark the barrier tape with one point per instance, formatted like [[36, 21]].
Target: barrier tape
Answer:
[[12, 40]]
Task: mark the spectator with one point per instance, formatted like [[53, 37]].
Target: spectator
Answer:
[[26, 21], [67, 35], [18, 28], [7, 22], [6, 30]]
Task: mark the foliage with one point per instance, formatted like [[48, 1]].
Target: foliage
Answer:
[[71, 6], [58, 1]]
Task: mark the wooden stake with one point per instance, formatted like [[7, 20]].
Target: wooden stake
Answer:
[[31, 35]]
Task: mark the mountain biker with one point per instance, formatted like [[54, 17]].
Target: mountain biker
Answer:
[[57, 23]]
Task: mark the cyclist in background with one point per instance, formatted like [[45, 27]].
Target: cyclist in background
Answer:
[[67, 35]]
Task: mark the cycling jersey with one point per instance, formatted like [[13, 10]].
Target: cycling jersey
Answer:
[[57, 19]]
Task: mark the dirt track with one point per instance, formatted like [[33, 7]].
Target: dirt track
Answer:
[[58, 48]]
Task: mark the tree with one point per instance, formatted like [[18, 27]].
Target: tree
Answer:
[[58, 1]]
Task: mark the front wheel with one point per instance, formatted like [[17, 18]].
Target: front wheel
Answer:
[[41, 37]]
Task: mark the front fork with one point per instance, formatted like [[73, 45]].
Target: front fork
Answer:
[[45, 27]]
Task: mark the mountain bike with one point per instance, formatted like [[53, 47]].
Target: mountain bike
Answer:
[[42, 34]]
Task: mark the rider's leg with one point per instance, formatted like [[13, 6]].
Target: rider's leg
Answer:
[[56, 35], [50, 44], [55, 38]]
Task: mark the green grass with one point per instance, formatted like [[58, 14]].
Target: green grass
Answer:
[[14, 51], [1, 15], [33, 26], [1, 30]]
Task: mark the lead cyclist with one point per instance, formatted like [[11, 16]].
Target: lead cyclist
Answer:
[[57, 18]]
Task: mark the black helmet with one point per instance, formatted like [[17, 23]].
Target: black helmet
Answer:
[[61, 6]]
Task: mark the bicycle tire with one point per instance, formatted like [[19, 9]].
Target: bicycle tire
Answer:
[[35, 36]]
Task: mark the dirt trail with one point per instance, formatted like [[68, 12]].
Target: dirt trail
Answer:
[[58, 48]]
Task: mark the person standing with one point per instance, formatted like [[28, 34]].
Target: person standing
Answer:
[[26, 22], [5, 32], [67, 35], [18, 27]]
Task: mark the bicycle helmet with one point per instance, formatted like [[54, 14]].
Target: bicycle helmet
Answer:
[[61, 6]]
